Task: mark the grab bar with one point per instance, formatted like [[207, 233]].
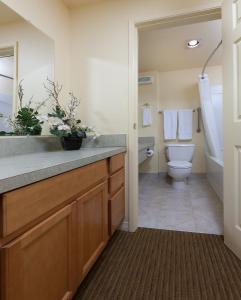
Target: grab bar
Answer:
[[198, 119]]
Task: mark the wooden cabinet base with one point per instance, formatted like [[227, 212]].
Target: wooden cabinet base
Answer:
[[52, 232]]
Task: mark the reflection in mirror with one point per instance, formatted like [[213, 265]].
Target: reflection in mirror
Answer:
[[6, 86], [26, 56]]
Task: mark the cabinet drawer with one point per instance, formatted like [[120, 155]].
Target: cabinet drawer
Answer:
[[25, 205], [117, 162], [116, 210], [116, 181]]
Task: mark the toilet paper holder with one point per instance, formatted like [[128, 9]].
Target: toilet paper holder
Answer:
[[149, 152]]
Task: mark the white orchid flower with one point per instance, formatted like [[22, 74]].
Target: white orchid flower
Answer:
[[63, 127], [42, 117], [53, 121]]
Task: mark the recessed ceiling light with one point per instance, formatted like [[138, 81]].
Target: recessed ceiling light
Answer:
[[193, 43]]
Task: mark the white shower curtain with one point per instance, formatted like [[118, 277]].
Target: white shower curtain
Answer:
[[210, 127]]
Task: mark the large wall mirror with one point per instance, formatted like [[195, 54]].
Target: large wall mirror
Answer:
[[26, 58]]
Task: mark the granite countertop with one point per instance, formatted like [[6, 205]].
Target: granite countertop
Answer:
[[20, 170]]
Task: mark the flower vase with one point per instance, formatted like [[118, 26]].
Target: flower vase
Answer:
[[71, 142]]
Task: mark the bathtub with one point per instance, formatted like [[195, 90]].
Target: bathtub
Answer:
[[215, 174]]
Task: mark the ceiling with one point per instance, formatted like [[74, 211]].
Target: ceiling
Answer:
[[166, 50], [76, 3], [7, 14]]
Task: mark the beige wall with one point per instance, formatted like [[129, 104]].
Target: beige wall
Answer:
[[177, 89], [52, 17], [99, 53]]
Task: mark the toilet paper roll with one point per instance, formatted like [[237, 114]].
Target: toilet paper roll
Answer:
[[149, 153]]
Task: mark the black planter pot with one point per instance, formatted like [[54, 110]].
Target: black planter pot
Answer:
[[71, 142]]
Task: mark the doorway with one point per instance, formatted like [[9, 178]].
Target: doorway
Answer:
[[135, 29], [178, 165]]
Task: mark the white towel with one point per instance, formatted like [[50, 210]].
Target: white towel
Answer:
[[170, 124], [146, 116], [185, 117]]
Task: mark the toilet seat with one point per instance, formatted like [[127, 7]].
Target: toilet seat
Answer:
[[180, 164]]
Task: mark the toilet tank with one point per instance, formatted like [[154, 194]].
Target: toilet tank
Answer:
[[180, 152]]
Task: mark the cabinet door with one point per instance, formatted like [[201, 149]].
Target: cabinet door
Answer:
[[40, 264], [92, 213], [116, 210]]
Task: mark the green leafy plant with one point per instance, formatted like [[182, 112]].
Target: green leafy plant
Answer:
[[27, 121]]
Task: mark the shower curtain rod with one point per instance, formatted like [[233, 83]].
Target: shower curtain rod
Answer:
[[5, 76], [210, 57]]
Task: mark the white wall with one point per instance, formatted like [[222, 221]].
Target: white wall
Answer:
[[99, 53]]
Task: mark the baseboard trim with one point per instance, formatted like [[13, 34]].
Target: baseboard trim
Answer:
[[124, 226]]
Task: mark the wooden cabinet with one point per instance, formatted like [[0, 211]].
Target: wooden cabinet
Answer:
[[116, 192], [40, 264], [116, 210], [117, 162], [27, 204], [53, 231], [117, 181], [92, 227]]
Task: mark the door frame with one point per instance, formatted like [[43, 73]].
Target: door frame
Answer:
[[181, 17]]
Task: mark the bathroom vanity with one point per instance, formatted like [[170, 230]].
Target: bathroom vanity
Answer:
[[52, 231]]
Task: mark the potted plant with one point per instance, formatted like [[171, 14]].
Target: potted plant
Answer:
[[27, 121], [63, 122]]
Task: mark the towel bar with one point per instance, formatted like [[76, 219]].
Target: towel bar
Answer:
[[161, 111]]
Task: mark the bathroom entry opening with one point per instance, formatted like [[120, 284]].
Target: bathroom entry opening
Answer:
[[135, 117]]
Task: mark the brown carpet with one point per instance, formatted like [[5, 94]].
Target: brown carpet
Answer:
[[160, 264]]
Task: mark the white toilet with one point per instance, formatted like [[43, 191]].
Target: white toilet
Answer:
[[180, 163]]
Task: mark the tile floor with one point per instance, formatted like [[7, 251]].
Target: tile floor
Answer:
[[195, 209]]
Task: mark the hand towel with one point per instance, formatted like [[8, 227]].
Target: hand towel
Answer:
[[185, 117], [146, 116], [170, 124]]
